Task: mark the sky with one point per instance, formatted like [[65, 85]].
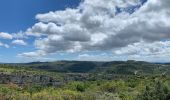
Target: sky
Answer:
[[85, 30]]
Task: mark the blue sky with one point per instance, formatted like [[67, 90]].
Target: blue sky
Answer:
[[18, 15], [95, 30]]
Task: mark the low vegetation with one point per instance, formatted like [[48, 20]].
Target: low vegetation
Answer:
[[111, 83]]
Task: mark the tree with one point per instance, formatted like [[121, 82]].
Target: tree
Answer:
[[156, 92]]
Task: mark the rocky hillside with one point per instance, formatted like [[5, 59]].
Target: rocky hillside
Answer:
[[60, 72], [78, 80], [114, 67]]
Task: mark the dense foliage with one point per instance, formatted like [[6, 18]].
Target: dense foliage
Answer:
[[149, 88], [117, 81]]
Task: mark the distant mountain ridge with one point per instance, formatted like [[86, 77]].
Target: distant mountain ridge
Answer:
[[58, 72], [112, 67]]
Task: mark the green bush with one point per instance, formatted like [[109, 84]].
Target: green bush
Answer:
[[156, 92]]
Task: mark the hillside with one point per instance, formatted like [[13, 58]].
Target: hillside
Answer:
[[80, 80], [114, 67]]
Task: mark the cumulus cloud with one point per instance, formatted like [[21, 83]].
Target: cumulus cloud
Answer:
[[156, 51], [19, 35], [32, 54], [19, 42], [4, 45], [144, 49], [95, 26], [5, 35]]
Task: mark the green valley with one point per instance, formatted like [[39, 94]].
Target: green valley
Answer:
[[80, 80]]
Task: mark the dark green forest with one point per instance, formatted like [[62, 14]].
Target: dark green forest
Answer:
[[80, 80]]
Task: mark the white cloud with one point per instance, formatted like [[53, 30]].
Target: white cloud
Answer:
[[32, 54], [94, 25], [19, 35], [143, 51], [4, 45], [97, 57], [5, 35], [19, 42]]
